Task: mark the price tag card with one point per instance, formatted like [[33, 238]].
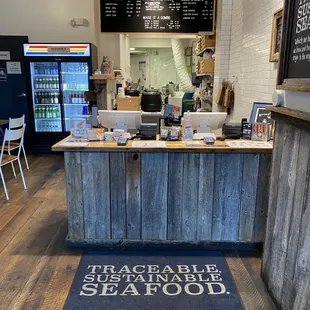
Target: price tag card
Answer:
[[79, 128]]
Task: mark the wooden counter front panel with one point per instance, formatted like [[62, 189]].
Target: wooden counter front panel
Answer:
[[167, 196]]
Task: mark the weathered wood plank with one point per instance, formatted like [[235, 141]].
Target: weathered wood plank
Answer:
[[248, 197], [74, 185], [249, 293], [96, 195], [175, 196], [300, 197], [205, 196], [133, 199], [286, 189], [280, 138], [118, 195], [190, 196], [302, 270], [154, 195], [227, 197], [301, 289], [262, 197]]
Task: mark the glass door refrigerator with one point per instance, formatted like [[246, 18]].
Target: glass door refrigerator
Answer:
[[59, 76]]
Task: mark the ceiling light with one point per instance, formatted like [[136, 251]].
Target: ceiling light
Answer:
[[132, 49]]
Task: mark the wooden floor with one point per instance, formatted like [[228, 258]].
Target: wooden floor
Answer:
[[36, 269]]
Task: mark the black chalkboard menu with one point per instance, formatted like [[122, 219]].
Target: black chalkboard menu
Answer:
[[294, 68], [172, 16]]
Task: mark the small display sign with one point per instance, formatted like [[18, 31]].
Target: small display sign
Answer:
[[79, 128], [3, 75], [58, 49], [4, 55], [14, 67]]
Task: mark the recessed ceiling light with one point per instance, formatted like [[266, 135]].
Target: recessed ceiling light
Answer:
[[132, 49]]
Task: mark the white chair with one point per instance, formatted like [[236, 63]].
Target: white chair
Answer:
[[15, 123], [12, 136]]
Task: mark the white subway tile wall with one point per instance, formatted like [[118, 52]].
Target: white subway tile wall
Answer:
[[223, 36], [249, 46]]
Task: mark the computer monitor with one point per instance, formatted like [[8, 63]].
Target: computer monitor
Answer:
[[125, 120], [206, 122]]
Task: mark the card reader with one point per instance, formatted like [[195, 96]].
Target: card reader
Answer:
[[122, 141], [148, 131]]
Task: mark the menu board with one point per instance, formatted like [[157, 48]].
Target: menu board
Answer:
[[299, 59], [294, 69], [179, 16]]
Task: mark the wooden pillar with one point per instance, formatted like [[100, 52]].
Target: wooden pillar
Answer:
[[286, 259]]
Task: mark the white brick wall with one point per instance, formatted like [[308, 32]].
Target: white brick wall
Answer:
[[249, 66]]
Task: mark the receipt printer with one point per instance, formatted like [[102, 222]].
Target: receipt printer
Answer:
[[148, 131]]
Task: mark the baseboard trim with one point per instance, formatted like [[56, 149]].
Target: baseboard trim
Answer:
[[160, 245]]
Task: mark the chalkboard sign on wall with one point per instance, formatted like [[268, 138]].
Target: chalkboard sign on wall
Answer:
[[294, 69], [172, 16]]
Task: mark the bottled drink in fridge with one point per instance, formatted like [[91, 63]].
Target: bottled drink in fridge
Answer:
[[56, 97], [54, 112]]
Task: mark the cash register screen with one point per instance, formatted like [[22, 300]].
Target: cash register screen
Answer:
[[213, 120], [120, 119]]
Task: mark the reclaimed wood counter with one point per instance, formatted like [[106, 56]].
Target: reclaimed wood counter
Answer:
[[170, 194]]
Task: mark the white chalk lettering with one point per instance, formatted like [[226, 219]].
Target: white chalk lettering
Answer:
[[135, 269], [216, 277], [89, 278], [107, 289], [108, 269], [211, 269], [151, 287], [124, 269], [183, 269], [131, 290], [93, 268], [153, 269], [115, 278], [177, 286], [139, 278], [211, 287], [89, 287], [168, 269], [190, 292], [176, 278], [190, 278]]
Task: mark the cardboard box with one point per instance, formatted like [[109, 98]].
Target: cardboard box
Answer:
[[208, 41], [206, 66], [128, 103]]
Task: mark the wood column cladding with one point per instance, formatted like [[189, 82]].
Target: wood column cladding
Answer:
[[286, 259]]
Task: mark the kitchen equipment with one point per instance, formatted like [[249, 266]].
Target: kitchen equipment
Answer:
[[151, 101], [132, 92], [232, 131], [148, 131]]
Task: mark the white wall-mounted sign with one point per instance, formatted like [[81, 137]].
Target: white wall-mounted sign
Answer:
[[4, 55], [3, 75], [14, 67]]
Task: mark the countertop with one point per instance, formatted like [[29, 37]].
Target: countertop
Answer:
[[171, 147]]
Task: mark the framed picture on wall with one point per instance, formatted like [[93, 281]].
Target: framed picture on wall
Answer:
[[260, 114], [276, 36]]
